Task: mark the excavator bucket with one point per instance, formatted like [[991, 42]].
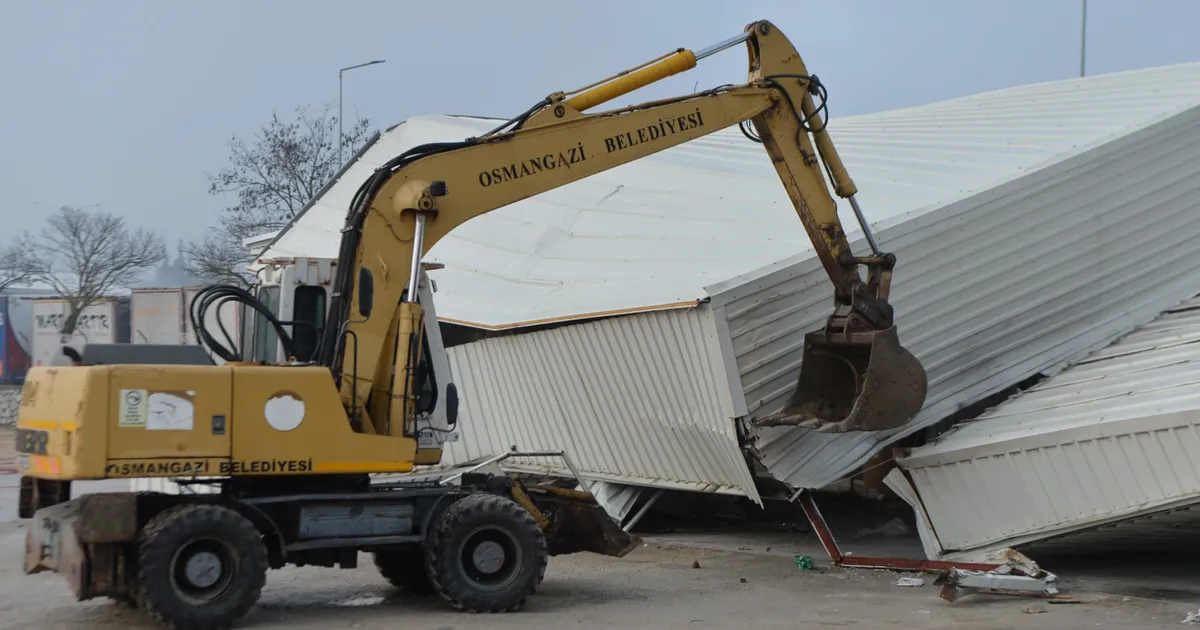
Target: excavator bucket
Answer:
[[864, 381]]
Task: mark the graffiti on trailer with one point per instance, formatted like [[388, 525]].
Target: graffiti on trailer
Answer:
[[54, 321]]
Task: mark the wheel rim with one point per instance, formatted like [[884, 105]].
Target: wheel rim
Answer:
[[202, 570], [490, 558]]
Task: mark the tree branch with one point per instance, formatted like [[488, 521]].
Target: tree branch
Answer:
[[273, 175], [17, 264], [85, 256]]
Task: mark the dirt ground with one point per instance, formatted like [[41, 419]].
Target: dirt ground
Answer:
[[655, 587], [744, 579]]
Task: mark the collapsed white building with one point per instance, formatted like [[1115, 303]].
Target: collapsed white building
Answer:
[[647, 310], [1098, 454]]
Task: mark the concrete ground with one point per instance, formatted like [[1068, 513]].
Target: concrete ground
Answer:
[[654, 587], [718, 578], [1158, 574]]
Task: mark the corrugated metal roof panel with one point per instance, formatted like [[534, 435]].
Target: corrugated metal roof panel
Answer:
[[995, 287], [633, 400], [1110, 438], [655, 232]]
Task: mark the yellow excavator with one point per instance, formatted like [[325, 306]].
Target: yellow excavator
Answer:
[[290, 448]]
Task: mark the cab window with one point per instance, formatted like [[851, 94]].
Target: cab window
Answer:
[[266, 341], [308, 313], [426, 384]]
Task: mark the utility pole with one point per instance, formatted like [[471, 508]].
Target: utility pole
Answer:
[[1083, 42], [340, 72]]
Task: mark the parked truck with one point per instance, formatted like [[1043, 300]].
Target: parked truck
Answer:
[[15, 336], [160, 316], [104, 322], [156, 316]]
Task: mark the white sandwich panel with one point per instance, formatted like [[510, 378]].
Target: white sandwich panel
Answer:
[[640, 400], [1103, 449]]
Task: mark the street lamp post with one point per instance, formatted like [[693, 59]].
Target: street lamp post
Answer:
[[1083, 41], [340, 72]]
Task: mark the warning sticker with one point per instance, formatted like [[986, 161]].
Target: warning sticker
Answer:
[[169, 411], [133, 408], [428, 438]]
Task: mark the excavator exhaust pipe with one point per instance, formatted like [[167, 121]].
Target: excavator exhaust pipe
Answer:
[[861, 381]]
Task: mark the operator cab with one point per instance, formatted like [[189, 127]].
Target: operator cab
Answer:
[[308, 307], [303, 309], [296, 291]]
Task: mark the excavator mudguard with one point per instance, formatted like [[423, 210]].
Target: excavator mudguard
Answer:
[[859, 381]]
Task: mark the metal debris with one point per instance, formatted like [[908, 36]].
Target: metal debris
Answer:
[[959, 582], [910, 581], [1012, 558], [1016, 574], [838, 558]]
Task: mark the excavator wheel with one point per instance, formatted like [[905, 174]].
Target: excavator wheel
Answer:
[[200, 567], [25, 508], [405, 569], [486, 553]]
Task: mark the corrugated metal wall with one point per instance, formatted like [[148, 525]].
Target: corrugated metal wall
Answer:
[[641, 399], [991, 289], [1113, 436]]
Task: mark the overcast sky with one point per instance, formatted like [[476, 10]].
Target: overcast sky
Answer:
[[127, 104]]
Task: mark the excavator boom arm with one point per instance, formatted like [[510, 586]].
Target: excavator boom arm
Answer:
[[415, 200]]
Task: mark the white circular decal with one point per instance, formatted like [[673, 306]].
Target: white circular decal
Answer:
[[284, 412]]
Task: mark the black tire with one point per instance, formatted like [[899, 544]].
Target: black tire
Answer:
[[25, 498], [465, 527], [405, 569], [186, 533]]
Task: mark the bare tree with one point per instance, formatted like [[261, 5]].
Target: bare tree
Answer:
[[219, 257], [272, 176], [85, 255], [17, 265]]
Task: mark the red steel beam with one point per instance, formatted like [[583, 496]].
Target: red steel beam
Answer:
[[837, 558]]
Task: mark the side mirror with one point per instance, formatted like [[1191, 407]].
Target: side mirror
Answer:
[[366, 292], [451, 404]]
